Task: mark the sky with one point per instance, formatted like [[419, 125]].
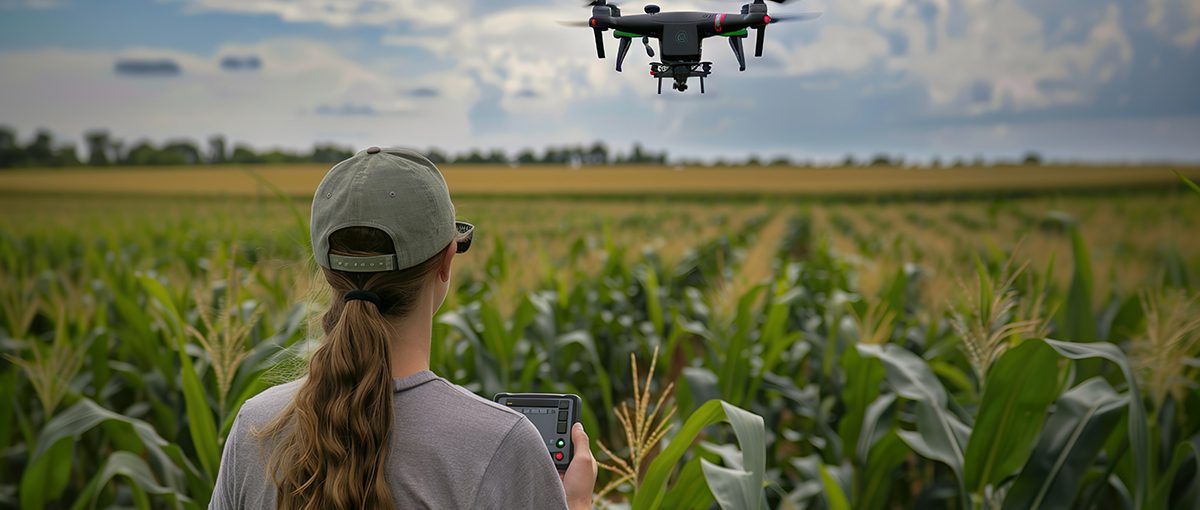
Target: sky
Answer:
[[1103, 80]]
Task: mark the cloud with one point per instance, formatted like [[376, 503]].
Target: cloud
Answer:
[[423, 92], [344, 13], [147, 67], [278, 106], [970, 56], [346, 110], [523, 49], [32, 4], [1177, 21], [242, 63]]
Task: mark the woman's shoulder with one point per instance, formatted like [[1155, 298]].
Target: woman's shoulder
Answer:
[[468, 410], [265, 406], [464, 396]]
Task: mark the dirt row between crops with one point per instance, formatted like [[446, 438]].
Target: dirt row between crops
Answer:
[[468, 180]]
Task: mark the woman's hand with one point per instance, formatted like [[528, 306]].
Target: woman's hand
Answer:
[[580, 479]]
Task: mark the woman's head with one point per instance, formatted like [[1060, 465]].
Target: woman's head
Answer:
[[399, 292], [384, 235]]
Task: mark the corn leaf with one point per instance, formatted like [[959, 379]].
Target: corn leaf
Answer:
[[1074, 434], [835, 497], [750, 433], [132, 467], [1019, 388], [1138, 436], [1078, 318], [201, 423], [1195, 187]]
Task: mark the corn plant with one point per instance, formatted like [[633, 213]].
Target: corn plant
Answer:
[[829, 335]]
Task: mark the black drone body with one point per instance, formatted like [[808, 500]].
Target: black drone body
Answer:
[[680, 35]]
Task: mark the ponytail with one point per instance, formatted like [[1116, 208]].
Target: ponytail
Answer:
[[334, 434]]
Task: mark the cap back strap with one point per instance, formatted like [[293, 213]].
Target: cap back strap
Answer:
[[362, 264]]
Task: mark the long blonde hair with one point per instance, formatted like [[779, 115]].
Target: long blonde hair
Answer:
[[331, 441]]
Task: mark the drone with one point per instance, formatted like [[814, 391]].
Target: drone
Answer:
[[680, 34]]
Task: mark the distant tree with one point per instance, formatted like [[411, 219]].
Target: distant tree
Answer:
[[881, 160], [1032, 158], [216, 150], [66, 155], [179, 152], [780, 160], [753, 160], [526, 157], [936, 162], [142, 153], [436, 156], [598, 154], [473, 157], [10, 153], [117, 147], [40, 152], [638, 155], [98, 144], [496, 157], [330, 153], [279, 157], [849, 160], [244, 155], [8, 138]]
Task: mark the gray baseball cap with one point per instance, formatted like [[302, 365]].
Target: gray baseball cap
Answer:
[[396, 190]]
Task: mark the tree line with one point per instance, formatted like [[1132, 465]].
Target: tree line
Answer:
[[102, 149]]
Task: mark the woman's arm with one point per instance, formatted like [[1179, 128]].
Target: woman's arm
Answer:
[[225, 495], [520, 474]]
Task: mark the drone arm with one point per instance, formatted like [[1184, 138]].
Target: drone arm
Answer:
[[758, 40], [599, 43], [624, 48], [736, 44]]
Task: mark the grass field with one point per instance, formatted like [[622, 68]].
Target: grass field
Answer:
[[869, 352], [615, 180]]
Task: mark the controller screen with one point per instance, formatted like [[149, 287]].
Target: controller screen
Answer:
[[543, 418]]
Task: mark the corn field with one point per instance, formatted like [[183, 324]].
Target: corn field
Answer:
[[1018, 354]]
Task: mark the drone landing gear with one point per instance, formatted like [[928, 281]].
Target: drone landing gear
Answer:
[[680, 72]]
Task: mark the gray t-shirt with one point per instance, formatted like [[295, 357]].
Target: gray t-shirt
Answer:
[[449, 448]]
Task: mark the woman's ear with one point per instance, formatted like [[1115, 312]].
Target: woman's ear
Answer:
[[444, 265]]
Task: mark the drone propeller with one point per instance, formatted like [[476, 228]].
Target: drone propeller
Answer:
[[805, 16], [574, 23], [613, 9]]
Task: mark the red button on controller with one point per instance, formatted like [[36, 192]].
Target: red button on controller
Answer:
[[558, 456]]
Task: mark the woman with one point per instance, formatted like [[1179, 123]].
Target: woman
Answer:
[[371, 426]]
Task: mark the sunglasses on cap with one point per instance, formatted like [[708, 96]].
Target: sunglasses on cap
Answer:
[[463, 240]]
